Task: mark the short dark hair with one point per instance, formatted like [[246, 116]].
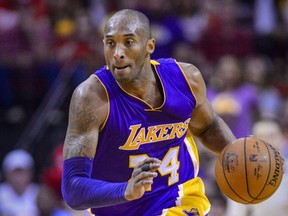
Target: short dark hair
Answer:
[[127, 15]]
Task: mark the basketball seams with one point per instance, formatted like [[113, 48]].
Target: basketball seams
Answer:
[[264, 185], [245, 167], [269, 173], [226, 179]]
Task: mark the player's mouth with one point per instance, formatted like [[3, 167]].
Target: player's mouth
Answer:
[[120, 69]]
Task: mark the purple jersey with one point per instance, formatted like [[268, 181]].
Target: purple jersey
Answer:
[[134, 130]]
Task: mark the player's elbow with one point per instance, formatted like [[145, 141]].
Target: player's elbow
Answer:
[[75, 185], [71, 196], [76, 206], [72, 201]]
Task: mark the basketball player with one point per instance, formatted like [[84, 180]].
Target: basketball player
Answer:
[[129, 148]]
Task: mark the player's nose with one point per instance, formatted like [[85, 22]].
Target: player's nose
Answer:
[[118, 53]]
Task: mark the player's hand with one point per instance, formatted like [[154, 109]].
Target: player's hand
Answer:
[[142, 178]]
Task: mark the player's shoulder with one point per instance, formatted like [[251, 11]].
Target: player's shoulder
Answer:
[[90, 97], [190, 70], [192, 73], [90, 90], [195, 79]]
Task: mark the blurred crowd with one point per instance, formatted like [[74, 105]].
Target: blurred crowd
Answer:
[[47, 47]]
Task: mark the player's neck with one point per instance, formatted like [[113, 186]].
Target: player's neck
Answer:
[[146, 86]]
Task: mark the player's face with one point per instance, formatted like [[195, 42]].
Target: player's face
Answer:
[[126, 49]]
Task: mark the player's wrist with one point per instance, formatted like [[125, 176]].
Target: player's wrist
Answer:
[[128, 195]]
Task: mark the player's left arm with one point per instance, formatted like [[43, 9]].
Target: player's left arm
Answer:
[[205, 124]]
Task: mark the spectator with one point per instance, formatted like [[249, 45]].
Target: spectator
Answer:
[[49, 198], [232, 98], [269, 27], [259, 72], [192, 14], [284, 119], [18, 191], [165, 26], [224, 34]]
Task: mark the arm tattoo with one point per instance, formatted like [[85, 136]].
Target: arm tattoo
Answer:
[[79, 141], [81, 120], [78, 146]]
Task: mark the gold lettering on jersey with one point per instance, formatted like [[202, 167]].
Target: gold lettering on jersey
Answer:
[[141, 135]]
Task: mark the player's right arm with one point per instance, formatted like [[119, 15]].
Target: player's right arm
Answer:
[[87, 114], [88, 109]]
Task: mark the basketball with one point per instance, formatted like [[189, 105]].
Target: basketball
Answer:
[[249, 170]]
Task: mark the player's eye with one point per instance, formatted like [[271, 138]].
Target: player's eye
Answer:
[[110, 43], [130, 42]]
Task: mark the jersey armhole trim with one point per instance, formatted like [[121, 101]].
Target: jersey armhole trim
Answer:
[[108, 112], [187, 82], [154, 62]]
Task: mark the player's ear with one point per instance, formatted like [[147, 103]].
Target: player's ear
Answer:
[[151, 45]]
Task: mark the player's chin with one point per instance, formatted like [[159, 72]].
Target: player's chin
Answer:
[[122, 73]]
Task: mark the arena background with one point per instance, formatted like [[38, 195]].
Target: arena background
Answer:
[[48, 47]]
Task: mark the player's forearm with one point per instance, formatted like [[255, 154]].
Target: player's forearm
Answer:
[[82, 192], [217, 136]]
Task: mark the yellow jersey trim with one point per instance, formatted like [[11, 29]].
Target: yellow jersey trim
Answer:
[[191, 199], [157, 109], [108, 99], [193, 152], [187, 82], [154, 62]]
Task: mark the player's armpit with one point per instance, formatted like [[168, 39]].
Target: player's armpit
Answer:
[[209, 128]]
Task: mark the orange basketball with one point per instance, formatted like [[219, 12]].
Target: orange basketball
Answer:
[[249, 170]]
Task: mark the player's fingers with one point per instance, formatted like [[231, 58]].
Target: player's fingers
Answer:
[[145, 177], [145, 167], [148, 161], [150, 167], [154, 166], [150, 164], [151, 160], [146, 183]]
